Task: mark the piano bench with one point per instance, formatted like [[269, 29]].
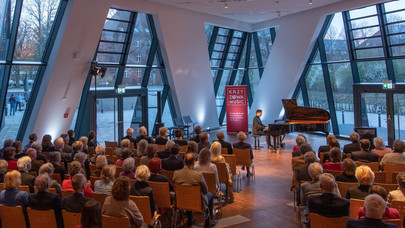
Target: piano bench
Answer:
[[257, 141]]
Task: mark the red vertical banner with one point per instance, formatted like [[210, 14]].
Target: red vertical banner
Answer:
[[236, 108]]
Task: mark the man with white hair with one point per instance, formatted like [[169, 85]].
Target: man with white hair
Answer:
[[143, 134], [130, 133], [24, 166], [374, 206], [302, 172], [328, 204], [166, 153], [312, 187], [32, 153]]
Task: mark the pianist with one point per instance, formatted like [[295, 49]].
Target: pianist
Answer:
[[259, 128]]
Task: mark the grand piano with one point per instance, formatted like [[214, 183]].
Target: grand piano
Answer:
[[299, 119]]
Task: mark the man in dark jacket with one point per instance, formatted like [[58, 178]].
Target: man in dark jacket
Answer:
[[173, 163], [258, 127], [75, 202]]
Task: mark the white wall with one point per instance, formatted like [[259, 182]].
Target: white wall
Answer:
[[294, 41]]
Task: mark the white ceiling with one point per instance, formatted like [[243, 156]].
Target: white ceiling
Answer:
[[252, 11]]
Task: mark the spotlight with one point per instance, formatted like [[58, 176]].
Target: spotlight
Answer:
[[310, 2], [97, 70]]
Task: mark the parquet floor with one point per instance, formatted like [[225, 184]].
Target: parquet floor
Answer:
[[268, 202]]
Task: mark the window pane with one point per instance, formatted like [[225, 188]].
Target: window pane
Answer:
[[221, 90], [342, 81], [366, 32], [254, 78], [133, 77], [18, 93], [110, 47], [397, 16], [208, 31], [300, 100], [363, 12], [138, 54], [253, 59], [108, 58], [316, 88], [113, 36], [6, 20], [116, 25], [265, 44], [396, 28], [155, 79], [370, 42], [35, 25], [372, 71], [119, 14], [369, 53], [399, 70], [360, 23], [397, 39], [394, 5], [398, 50], [335, 40]]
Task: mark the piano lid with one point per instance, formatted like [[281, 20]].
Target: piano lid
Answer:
[[294, 112]]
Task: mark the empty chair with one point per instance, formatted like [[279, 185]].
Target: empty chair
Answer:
[[12, 217]]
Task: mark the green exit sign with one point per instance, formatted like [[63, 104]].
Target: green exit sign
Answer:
[[121, 90], [387, 84]]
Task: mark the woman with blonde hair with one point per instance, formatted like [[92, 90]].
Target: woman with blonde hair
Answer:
[[380, 148], [365, 178], [216, 157], [104, 185], [101, 161], [141, 187]]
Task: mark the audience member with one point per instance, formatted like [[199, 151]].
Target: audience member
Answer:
[[100, 150], [38, 147], [130, 133], [326, 147], [75, 168], [75, 202], [216, 157], [24, 166], [335, 160], [375, 207], [299, 140], [296, 147], [47, 145], [143, 134], [59, 144], [105, 184], [125, 153], [141, 187], [32, 138], [380, 148], [173, 163], [48, 169], [302, 172], [192, 147], [85, 141], [364, 155], [399, 193], [92, 139], [188, 176], [328, 204], [18, 149], [44, 200], [155, 165], [242, 145], [224, 144], [397, 157], [7, 143], [150, 153], [32, 153], [77, 147], [166, 153], [128, 168], [355, 145], [125, 144], [67, 149], [162, 138], [365, 178], [390, 213], [9, 156], [204, 164], [204, 143], [82, 158], [119, 204], [311, 187], [299, 161], [179, 138], [71, 135], [333, 143], [197, 132], [91, 215], [3, 169], [100, 163], [54, 159], [142, 147], [348, 168]]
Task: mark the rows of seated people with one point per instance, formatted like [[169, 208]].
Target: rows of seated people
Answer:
[[317, 179], [68, 158]]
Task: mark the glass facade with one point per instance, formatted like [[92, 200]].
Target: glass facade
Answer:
[[360, 46], [237, 58], [27, 30]]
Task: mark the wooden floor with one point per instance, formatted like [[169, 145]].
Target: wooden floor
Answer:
[[268, 202]]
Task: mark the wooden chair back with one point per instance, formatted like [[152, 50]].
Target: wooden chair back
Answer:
[[113, 145], [222, 173], [51, 190], [321, 156], [109, 151], [388, 187], [24, 188], [394, 178], [344, 186], [400, 206], [380, 177], [113, 159], [355, 205], [137, 161], [1, 186], [33, 173], [92, 168], [319, 221], [183, 149], [391, 168], [41, 218], [71, 219], [161, 194], [168, 174], [380, 157], [231, 160], [118, 170], [143, 204], [12, 217], [160, 147], [91, 152], [132, 146], [56, 176], [65, 193], [92, 180], [242, 157], [334, 172], [210, 179], [224, 151], [114, 222], [188, 198], [99, 197], [374, 166], [394, 221]]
